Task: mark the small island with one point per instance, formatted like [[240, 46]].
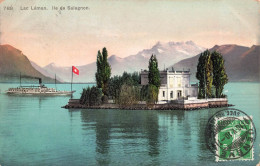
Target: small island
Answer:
[[167, 89]]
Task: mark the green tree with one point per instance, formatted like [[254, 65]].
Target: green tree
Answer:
[[149, 93], [87, 98], [83, 97], [154, 74], [114, 87], [219, 73], [116, 82], [153, 92], [136, 78], [209, 75], [103, 71], [91, 96], [201, 72], [95, 96], [154, 82], [99, 63], [129, 95], [144, 93]]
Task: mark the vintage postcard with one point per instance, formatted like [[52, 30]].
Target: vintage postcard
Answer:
[[129, 82]]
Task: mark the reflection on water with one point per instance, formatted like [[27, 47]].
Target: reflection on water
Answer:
[[113, 127], [159, 136], [22, 100], [35, 130]]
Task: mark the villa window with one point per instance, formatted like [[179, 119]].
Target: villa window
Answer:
[[171, 94], [171, 82], [163, 94], [179, 81]]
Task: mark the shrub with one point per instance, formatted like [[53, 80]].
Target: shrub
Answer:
[[104, 99], [116, 82], [91, 96], [149, 93], [129, 95], [153, 92]]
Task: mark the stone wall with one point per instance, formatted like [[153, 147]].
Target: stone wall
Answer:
[[217, 103], [181, 104], [73, 102], [196, 105]]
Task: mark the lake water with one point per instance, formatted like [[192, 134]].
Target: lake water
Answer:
[[37, 131]]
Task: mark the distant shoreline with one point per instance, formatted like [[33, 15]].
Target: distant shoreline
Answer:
[[50, 83], [95, 82]]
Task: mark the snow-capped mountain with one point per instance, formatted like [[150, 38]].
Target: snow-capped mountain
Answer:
[[166, 53]]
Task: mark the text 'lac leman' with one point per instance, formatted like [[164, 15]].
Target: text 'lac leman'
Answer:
[[33, 8]]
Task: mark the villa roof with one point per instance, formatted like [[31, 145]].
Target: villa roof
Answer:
[[169, 72]]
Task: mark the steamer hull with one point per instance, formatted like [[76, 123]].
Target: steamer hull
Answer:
[[41, 90]]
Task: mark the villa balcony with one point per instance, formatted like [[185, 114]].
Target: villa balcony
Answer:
[[180, 86]]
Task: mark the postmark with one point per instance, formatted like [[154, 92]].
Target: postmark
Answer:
[[230, 135]]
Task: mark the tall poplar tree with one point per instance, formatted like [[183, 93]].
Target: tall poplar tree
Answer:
[[201, 72], [211, 71], [99, 62], [103, 71], [209, 76], [219, 73], [153, 80], [154, 74]]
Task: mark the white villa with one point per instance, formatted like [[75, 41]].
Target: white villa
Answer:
[[174, 85]]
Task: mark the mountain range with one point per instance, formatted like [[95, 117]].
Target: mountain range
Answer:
[[13, 63], [166, 53], [241, 63]]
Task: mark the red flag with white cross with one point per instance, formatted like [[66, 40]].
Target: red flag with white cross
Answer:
[[75, 70]]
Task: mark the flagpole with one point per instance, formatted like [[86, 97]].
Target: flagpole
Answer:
[[71, 81], [55, 82], [20, 79]]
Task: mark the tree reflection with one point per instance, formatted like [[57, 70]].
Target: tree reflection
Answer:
[[152, 128], [205, 153], [124, 127]]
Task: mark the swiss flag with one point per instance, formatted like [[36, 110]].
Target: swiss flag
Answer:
[[75, 70]]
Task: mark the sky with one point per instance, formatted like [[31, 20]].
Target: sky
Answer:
[[124, 27]]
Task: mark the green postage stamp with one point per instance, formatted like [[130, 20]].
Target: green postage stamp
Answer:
[[230, 135], [234, 140]]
